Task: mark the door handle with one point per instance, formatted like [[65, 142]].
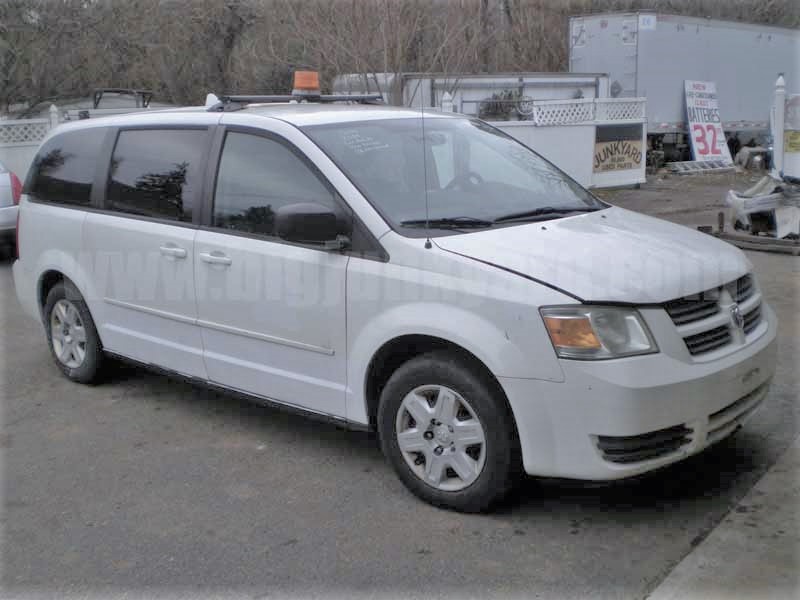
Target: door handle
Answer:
[[215, 258], [172, 250]]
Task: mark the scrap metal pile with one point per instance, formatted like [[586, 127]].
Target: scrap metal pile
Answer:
[[771, 208]]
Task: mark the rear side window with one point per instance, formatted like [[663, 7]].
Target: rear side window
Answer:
[[156, 173], [257, 176], [64, 167]]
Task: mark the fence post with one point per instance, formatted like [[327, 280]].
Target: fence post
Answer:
[[447, 102], [53, 116], [777, 123]]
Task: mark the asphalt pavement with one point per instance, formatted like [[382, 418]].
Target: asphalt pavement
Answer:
[[147, 486]]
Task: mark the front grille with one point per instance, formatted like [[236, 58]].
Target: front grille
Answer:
[[692, 308], [636, 448], [706, 305], [707, 341], [752, 319], [742, 288]]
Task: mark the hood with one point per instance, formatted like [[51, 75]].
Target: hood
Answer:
[[612, 255]]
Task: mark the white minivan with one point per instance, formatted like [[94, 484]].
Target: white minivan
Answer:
[[429, 278]]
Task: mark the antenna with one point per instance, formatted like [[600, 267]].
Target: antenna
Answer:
[[428, 244]]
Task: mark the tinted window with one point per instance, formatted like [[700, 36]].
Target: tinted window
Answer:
[[258, 175], [64, 167], [156, 172]]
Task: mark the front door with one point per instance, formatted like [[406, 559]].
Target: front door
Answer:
[[272, 313]]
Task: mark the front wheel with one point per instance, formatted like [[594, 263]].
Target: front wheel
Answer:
[[448, 434]]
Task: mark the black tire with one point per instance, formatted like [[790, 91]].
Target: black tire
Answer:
[[502, 462], [90, 369]]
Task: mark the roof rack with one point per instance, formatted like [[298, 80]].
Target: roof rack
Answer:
[[233, 103], [142, 97]]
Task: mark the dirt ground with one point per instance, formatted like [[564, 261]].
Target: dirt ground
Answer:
[[687, 199]]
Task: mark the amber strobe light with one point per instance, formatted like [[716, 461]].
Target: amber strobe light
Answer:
[[572, 332], [306, 83]]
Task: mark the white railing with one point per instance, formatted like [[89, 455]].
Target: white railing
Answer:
[[23, 131], [547, 113], [620, 109]]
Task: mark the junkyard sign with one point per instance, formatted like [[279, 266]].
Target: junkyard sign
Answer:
[[617, 148], [705, 124]]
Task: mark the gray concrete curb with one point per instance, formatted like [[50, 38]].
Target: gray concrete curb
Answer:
[[755, 551]]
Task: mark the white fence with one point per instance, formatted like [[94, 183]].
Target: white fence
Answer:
[[572, 135], [19, 140]]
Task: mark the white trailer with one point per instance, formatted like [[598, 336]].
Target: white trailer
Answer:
[[651, 54], [470, 91]]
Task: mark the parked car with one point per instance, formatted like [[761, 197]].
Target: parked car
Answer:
[[430, 278], [10, 192]]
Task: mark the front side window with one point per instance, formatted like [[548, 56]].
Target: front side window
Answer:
[[459, 174], [258, 175], [156, 173], [64, 167]]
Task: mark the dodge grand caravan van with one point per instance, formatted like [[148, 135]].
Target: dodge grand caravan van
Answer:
[[430, 278]]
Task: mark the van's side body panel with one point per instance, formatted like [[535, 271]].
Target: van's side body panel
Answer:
[[141, 290], [52, 241], [431, 292], [273, 318]]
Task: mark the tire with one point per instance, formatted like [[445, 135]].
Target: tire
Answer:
[[84, 362], [446, 377]]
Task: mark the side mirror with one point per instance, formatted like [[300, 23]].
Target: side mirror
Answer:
[[310, 223]]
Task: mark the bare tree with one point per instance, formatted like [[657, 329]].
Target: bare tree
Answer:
[[182, 49]]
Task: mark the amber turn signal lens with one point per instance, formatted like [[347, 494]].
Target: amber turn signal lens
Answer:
[[306, 80], [572, 332]]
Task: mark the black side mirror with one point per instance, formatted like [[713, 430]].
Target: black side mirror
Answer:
[[310, 223]]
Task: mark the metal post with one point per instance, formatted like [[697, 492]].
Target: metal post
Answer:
[[777, 123], [53, 116], [447, 102]]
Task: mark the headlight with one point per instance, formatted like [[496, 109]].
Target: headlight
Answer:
[[597, 332]]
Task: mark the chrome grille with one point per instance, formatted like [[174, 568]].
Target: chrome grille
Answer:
[[693, 308], [698, 316], [752, 319], [742, 288], [707, 341]]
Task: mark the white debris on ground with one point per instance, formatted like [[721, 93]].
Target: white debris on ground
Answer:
[[771, 207]]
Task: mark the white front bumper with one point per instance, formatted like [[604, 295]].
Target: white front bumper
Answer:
[[559, 423]]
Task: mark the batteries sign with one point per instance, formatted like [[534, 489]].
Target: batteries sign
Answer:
[[705, 125]]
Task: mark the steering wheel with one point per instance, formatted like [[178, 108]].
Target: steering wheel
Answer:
[[468, 179]]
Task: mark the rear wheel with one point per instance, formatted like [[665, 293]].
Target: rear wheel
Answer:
[[448, 434], [71, 334]]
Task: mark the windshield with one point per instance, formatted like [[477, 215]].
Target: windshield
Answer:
[[476, 176]]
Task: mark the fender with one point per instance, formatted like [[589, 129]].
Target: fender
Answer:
[[503, 352]]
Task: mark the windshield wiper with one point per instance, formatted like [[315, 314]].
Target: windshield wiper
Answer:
[[542, 214], [449, 223]]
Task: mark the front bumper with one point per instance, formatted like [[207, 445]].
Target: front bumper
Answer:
[[561, 425]]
